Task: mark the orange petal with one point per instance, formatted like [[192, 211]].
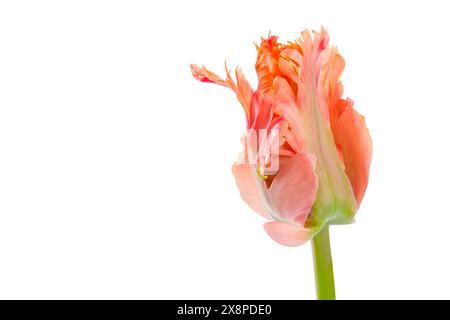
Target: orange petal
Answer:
[[248, 189], [293, 190], [289, 63], [267, 62], [242, 88], [353, 139], [288, 234]]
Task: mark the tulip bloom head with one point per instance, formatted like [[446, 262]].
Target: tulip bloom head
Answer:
[[307, 151]]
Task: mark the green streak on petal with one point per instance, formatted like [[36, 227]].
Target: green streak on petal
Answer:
[[335, 202]]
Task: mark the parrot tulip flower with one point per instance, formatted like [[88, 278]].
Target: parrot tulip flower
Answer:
[[307, 152]]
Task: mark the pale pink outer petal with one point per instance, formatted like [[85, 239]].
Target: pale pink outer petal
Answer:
[[293, 190], [248, 188], [288, 234], [353, 139]]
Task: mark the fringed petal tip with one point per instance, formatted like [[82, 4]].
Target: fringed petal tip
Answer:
[[287, 234], [198, 74], [204, 75], [240, 86]]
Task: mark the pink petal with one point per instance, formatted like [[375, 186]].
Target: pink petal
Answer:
[[248, 189], [314, 48], [293, 190], [285, 104], [288, 234], [353, 139], [329, 88]]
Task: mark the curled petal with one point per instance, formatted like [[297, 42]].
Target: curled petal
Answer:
[[288, 234]]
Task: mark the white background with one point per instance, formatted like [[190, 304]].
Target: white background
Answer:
[[115, 176]]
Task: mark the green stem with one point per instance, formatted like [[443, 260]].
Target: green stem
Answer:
[[323, 265]]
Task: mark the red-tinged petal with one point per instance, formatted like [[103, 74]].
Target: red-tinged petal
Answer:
[[204, 75], [241, 86], [261, 110], [353, 140], [248, 189], [288, 234], [293, 190]]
